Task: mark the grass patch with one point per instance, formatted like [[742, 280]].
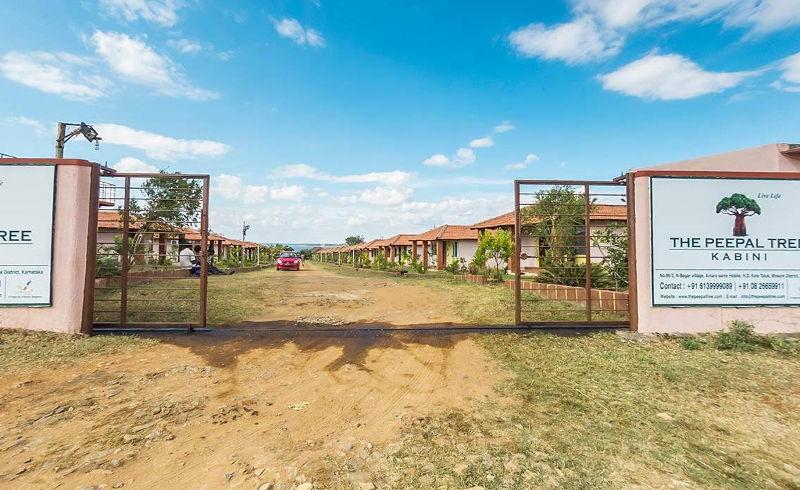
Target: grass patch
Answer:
[[231, 299], [489, 304], [20, 348], [597, 411], [741, 337]]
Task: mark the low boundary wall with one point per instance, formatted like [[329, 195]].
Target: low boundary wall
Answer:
[[602, 299]]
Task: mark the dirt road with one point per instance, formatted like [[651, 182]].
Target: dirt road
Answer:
[[317, 296], [230, 408]]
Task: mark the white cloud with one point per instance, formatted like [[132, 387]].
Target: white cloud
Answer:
[[504, 127], [134, 165], [161, 12], [63, 74], [386, 196], [33, 124], [579, 41], [790, 78], [669, 77], [302, 170], [529, 159], [481, 143], [158, 146], [598, 28], [227, 186], [287, 192], [135, 61], [231, 187], [437, 160], [186, 46], [765, 16], [462, 158], [292, 29]]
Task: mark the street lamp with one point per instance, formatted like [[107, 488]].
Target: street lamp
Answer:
[[86, 130]]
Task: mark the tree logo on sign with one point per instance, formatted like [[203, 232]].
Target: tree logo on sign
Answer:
[[740, 207]]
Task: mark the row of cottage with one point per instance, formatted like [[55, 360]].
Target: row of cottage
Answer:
[[441, 245], [164, 240]]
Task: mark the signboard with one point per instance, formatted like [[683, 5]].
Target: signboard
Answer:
[[26, 234], [725, 242]]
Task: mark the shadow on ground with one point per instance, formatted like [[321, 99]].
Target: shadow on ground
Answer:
[[222, 347]]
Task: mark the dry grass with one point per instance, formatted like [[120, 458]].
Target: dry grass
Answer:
[[597, 411], [231, 299], [490, 304], [25, 349]]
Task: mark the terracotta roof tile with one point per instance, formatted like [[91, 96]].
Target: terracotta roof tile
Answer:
[[404, 239], [447, 232], [616, 212]]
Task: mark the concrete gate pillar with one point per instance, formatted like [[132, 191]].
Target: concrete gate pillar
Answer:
[[67, 306]]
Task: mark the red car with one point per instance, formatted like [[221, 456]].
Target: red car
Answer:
[[288, 261]]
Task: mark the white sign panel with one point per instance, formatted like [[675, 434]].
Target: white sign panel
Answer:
[[26, 234], [725, 242]]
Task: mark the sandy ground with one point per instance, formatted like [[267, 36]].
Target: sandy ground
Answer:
[[230, 408], [315, 296]]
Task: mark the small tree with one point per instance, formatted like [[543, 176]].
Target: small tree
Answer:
[[613, 245], [496, 245], [166, 203], [739, 206], [354, 239]]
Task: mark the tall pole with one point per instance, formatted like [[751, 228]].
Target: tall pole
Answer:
[[60, 135], [245, 227]]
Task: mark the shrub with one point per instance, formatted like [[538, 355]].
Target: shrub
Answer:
[[475, 268], [457, 266], [418, 266], [691, 343], [740, 336], [497, 275], [613, 245], [380, 262], [785, 346], [573, 274], [107, 265]]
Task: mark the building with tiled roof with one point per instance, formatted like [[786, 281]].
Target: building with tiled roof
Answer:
[[601, 216], [444, 243]]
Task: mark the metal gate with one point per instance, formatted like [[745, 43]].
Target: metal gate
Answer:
[[571, 253], [144, 222]]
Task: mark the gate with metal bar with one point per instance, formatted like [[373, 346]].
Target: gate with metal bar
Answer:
[[571, 250], [142, 279]]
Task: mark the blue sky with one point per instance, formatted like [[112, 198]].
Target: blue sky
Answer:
[[318, 119]]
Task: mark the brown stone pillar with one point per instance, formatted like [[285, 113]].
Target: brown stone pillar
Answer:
[[425, 253], [440, 255], [413, 251], [391, 253]]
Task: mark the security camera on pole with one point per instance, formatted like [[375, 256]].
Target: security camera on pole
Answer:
[[245, 227], [86, 130]]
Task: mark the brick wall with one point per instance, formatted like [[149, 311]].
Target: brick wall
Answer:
[[602, 299]]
